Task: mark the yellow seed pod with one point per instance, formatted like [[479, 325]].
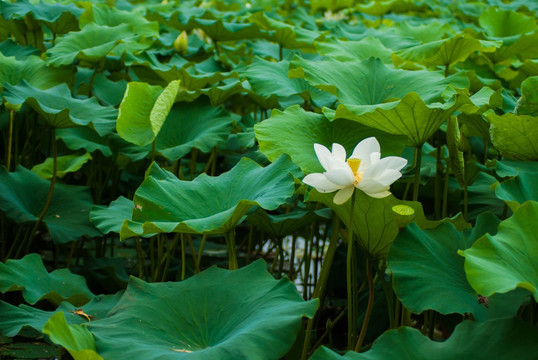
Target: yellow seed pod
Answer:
[[182, 42]]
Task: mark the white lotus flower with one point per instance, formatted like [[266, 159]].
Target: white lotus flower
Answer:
[[364, 170]]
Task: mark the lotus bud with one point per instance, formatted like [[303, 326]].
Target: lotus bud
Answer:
[[182, 42]]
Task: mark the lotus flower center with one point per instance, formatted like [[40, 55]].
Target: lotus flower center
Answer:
[[354, 165]]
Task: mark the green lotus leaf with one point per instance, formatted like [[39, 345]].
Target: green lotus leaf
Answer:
[[284, 224], [23, 195], [515, 136], [217, 94], [165, 204], [269, 79], [110, 218], [286, 35], [499, 23], [520, 187], [66, 164], [108, 91], [127, 150], [481, 101], [143, 111], [180, 19], [507, 260], [193, 125], [9, 48], [378, 82], [375, 222], [76, 339], [410, 116], [185, 320], [333, 5], [354, 50], [523, 48], [496, 339], [377, 8], [444, 52], [83, 138], [295, 131], [32, 69], [60, 109], [59, 18], [528, 102], [428, 273], [219, 30], [104, 15], [90, 44], [30, 276], [14, 318], [422, 32]]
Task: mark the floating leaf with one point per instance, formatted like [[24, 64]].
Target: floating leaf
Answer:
[[165, 204], [295, 131], [507, 260], [30, 276], [66, 165], [186, 320], [76, 339], [143, 110], [60, 109], [23, 195], [496, 339]]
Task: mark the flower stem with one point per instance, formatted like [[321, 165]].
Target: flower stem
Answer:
[[183, 256], [350, 264], [10, 140], [321, 285], [368, 308], [418, 163], [232, 255]]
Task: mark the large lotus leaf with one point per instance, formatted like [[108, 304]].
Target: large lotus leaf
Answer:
[[444, 52], [91, 44], [110, 218], [14, 318], [219, 30], [143, 111], [495, 339], [422, 32], [428, 273], [500, 23], [108, 91], [102, 14], [65, 164], [377, 222], [354, 50], [10, 48], [23, 195], [193, 125], [370, 82], [295, 131], [60, 109], [269, 78], [284, 224], [30, 276], [83, 138], [185, 320], [207, 204], [481, 101], [286, 35], [508, 260], [32, 69], [521, 186], [515, 136], [410, 116], [523, 48], [76, 339], [217, 94], [59, 18], [528, 102]]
